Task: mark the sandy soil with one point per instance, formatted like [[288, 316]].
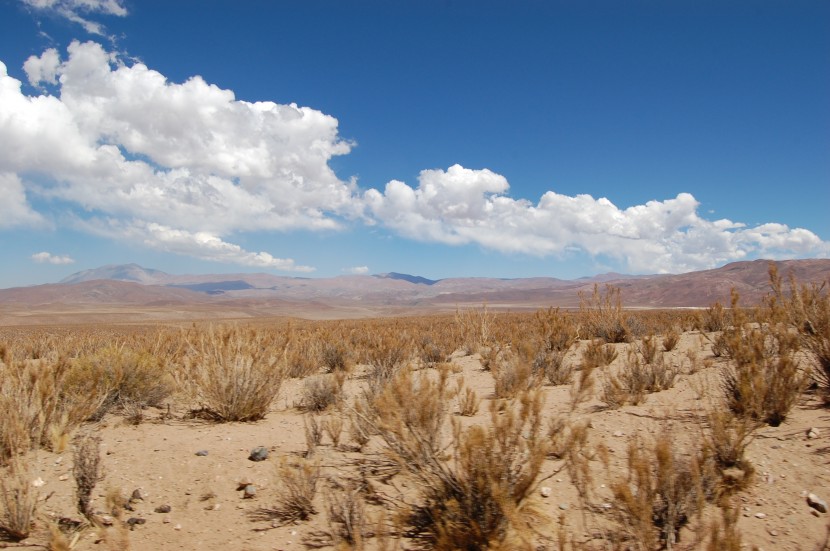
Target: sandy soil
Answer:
[[208, 511]]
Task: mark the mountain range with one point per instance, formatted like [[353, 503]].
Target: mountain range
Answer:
[[133, 293]]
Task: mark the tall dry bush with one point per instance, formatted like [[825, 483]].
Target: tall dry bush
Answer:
[[662, 493], [43, 401], [636, 379], [480, 498], [231, 374], [806, 308], [764, 378], [18, 503], [601, 315], [475, 328], [296, 487], [556, 333], [134, 378]]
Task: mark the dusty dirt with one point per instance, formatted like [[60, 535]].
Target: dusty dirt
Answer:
[[209, 512]]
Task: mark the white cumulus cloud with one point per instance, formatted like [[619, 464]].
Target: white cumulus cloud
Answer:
[[14, 206], [462, 206], [49, 258], [357, 270]]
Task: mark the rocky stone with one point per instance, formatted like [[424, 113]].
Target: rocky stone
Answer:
[[563, 506], [249, 491], [813, 433], [259, 453], [202, 453], [137, 495], [618, 434], [760, 515], [163, 509], [545, 491], [132, 522], [817, 503]]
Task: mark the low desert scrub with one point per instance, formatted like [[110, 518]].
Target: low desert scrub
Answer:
[[346, 515], [598, 354], [296, 486], [87, 471], [335, 357], [42, 402], [556, 333], [475, 328], [713, 319], [479, 499], [601, 315], [19, 502], [333, 426], [726, 441], [724, 534], [134, 378], [313, 434], [231, 375], [662, 493], [670, 340], [320, 392], [807, 309], [514, 376], [764, 379], [387, 354], [582, 388], [413, 409], [635, 380], [468, 400]]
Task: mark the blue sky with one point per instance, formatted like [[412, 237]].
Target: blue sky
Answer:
[[440, 138]]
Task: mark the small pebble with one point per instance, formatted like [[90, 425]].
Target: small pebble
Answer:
[[816, 503], [259, 454], [545, 491], [760, 515], [202, 453], [163, 509]]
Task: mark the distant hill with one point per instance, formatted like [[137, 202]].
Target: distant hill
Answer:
[[130, 287]]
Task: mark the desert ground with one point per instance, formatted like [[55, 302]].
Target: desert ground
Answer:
[[598, 428]]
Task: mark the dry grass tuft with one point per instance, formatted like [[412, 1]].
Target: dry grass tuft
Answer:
[[296, 484], [18, 500], [87, 471]]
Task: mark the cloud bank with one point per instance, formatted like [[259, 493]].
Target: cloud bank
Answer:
[[184, 167]]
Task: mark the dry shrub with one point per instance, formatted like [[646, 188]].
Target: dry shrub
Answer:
[[42, 402], [670, 339], [322, 391], [134, 378], [333, 426], [335, 357], [648, 348], [19, 503], [583, 387], [313, 433], [468, 401], [635, 380], [387, 354], [764, 380], [661, 494], [479, 499], [86, 470], [713, 319], [296, 487], [346, 513], [231, 375], [475, 328], [552, 364], [602, 315], [807, 309], [724, 535], [726, 441], [413, 407], [514, 376], [598, 354]]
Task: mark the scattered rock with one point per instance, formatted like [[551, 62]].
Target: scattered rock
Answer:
[[545, 491], [259, 453], [163, 509], [760, 515], [137, 495], [106, 520], [563, 506], [38, 482], [132, 522], [202, 453], [249, 491], [817, 503], [63, 477], [813, 433], [618, 434], [177, 527]]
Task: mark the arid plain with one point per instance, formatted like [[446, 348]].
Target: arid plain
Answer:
[[615, 413]]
